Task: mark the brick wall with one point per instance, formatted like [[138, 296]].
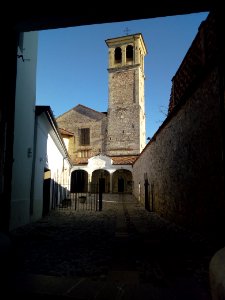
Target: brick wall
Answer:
[[201, 55]]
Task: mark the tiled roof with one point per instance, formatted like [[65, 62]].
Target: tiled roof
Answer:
[[86, 111], [65, 132], [80, 160], [89, 112], [117, 160], [124, 160]]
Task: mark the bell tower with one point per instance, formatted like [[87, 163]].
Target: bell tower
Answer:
[[126, 104]]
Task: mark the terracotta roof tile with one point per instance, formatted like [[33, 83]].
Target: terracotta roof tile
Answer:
[[65, 132], [117, 160], [124, 160], [80, 160]]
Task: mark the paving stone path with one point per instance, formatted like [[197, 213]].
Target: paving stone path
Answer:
[[122, 252]]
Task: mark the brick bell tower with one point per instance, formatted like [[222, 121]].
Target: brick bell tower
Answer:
[[126, 104]]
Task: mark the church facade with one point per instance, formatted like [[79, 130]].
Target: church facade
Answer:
[[104, 145]]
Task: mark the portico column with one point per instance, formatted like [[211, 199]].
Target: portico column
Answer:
[[89, 182], [110, 182], [123, 55]]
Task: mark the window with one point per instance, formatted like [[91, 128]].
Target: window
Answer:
[[20, 42], [85, 136], [129, 53], [118, 55]]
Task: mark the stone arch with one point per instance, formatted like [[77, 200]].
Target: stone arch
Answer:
[[122, 181], [79, 181], [102, 176]]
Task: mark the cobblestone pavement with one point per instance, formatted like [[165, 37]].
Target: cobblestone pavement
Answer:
[[124, 244]]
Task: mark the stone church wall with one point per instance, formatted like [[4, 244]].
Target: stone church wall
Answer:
[[74, 121], [183, 161]]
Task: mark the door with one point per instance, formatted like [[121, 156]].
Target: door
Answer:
[[147, 206], [46, 196], [102, 184], [120, 185]]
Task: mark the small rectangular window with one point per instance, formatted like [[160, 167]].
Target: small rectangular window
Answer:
[[20, 45], [84, 136]]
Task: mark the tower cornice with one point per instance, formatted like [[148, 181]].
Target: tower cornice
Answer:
[[124, 40], [123, 68]]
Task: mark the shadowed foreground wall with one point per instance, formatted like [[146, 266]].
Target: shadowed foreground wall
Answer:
[[183, 161]]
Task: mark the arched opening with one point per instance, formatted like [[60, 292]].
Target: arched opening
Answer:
[[118, 55], [129, 53], [79, 181], [101, 177], [122, 181]]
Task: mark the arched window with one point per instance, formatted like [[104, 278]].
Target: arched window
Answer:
[[118, 55], [129, 53]]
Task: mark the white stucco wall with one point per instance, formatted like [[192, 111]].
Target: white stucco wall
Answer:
[[24, 131], [49, 154], [102, 162], [66, 142], [57, 161], [40, 162]]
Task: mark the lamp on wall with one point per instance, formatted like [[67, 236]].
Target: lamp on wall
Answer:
[[20, 56]]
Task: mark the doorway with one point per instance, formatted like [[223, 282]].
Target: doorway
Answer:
[[46, 192], [120, 185], [102, 184]]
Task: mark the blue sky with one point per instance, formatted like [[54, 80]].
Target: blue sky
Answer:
[[72, 63]]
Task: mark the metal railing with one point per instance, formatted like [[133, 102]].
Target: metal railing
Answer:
[[91, 200]]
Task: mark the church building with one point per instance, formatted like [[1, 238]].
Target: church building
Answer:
[[104, 145]]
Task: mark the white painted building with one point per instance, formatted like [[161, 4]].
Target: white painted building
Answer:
[[23, 149], [103, 167], [41, 166], [51, 167]]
